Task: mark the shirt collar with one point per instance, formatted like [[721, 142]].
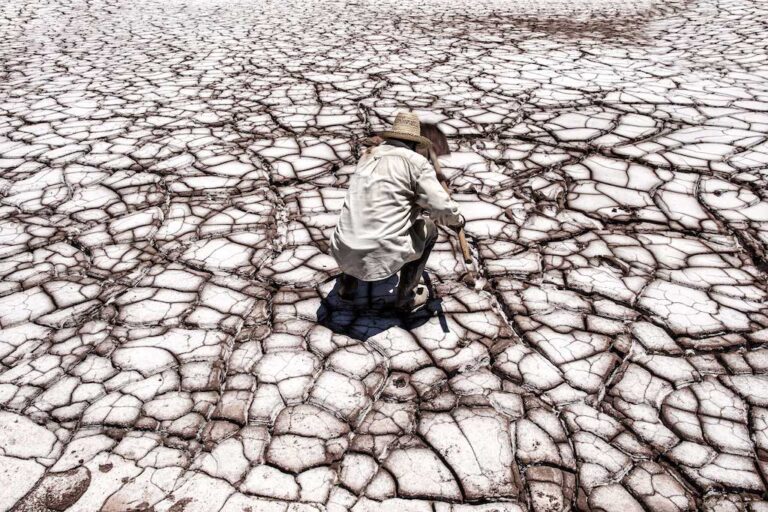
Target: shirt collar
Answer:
[[396, 143]]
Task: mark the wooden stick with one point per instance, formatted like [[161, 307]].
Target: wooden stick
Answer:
[[464, 246], [462, 237]]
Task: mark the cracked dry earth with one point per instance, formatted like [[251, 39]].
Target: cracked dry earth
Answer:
[[170, 172]]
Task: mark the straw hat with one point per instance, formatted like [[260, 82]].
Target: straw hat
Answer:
[[407, 127]]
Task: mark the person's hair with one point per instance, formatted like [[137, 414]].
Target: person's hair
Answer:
[[411, 144]]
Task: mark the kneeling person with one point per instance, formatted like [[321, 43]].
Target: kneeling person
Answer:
[[380, 230]]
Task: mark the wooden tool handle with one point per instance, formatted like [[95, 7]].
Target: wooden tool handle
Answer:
[[464, 246], [462, 237]]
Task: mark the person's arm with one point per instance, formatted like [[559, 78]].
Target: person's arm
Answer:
[[431, 196]]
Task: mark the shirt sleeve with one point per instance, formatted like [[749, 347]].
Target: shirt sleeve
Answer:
[[431, 196]]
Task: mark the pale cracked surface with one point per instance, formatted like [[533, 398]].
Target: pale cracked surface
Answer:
[[170, 340]]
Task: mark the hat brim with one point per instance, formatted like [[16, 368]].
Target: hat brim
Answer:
[[422, 141]]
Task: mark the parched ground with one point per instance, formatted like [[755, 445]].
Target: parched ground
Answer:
[[170, 171]]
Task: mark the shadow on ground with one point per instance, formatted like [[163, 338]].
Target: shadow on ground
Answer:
[[372, 311]]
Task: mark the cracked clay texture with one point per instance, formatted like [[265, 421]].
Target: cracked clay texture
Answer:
[[170, 338]]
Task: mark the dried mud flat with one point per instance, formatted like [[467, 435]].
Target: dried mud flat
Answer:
[[170, 341]]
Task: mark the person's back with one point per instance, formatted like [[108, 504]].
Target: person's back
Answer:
[[372, 239]]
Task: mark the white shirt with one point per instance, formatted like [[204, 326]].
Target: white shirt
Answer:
[[389, 189]]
